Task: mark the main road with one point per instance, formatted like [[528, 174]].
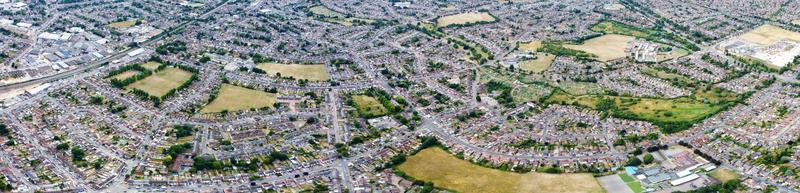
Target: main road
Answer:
[[95, 64]]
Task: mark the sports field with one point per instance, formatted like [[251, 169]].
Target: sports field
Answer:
[[464, 18], [151, 65], [313, 72], [768, 34], [236, 98], [125, 75], [161, 82], [724, 174], [606, 47], [369, 106], [123, 24], [635, 186], [448, 172], [540, 64]]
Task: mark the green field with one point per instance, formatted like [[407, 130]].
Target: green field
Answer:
[[162, 81], [448, 172], [636, 186], [369, 106], [236, 98], [312, 72]]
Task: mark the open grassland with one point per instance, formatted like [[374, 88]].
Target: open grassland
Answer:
[[464, 18], [768, 34], [606, 47], [651, 109], [312, 72], [151, 65], [540, 64], [369, 106], [123, 24], [125, 75], [724, 174], [796, 22], [448, 172], [236, 98], [162, 81], [530, 46]]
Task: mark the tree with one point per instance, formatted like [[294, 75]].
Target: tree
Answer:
[[634, 161], [648, 158]]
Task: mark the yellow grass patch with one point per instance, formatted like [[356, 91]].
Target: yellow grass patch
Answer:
[[446, 171], [768, 34], [125, 75], [540, 64], [161, 82], [723, 174], [530, 46], [464, 18], [151, 65], [313, 72], [796, 22], [606, 47], [123, 24], [235, 98]]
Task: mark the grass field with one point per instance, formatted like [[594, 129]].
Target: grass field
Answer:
[[151, 65], [161, 82], [636, 186], [336, 17], [123, 24], [448, 172], [464, 18], [530, 46], [606, 47], [236, 98], [768, 34], [523, 90], [666, 110], [723, 174], [125, 75], [540, 64], [580, 88], [368, 105], [614, 28], [312, 72], [324, 11]]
